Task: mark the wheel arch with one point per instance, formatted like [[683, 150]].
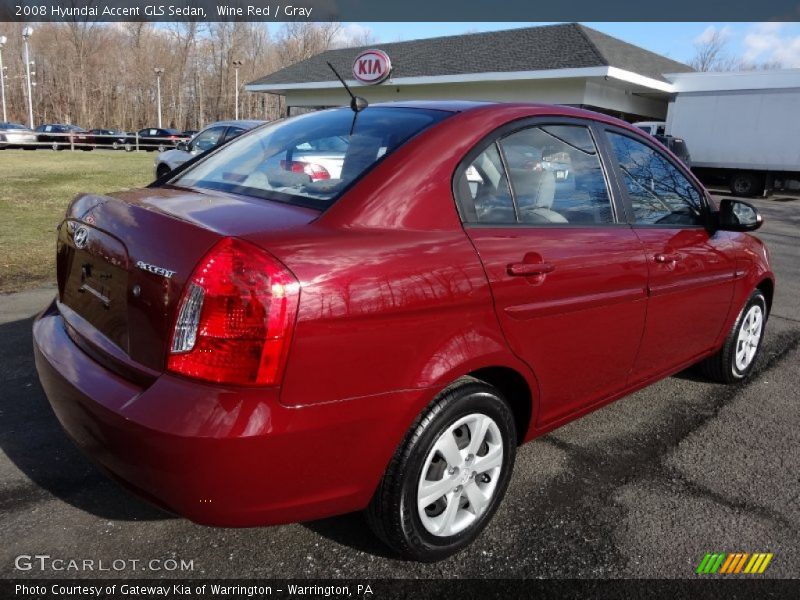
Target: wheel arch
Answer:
[[767, 287], [515, 390]]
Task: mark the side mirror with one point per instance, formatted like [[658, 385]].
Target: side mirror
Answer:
[[182, 146], [737, 215]]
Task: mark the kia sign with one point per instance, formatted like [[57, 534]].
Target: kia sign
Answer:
[[372, 66]]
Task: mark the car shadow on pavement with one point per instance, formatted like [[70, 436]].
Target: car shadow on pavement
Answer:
[[351, 530], [693, 373], [32, 439]]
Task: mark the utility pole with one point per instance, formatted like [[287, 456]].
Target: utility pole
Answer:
[[26, 35], [3, 40], [236, 64], [159, 72]]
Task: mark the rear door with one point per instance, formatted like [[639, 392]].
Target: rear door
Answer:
[[691, 269], [568, 275]]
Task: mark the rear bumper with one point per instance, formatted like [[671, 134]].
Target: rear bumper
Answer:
[[216, 455]]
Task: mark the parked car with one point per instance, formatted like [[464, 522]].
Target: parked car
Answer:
[[677, 146], [189, 133], [153, 138], [15, 135], [654, 128], [210, 137], [247, 344], [320, 158], [64, 136], [109, 138]]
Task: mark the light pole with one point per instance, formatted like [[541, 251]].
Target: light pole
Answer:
[[3, 40], [159, 72], [26, 35], [236, 64]]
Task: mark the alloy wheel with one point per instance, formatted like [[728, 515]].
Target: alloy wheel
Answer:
[[460, 475], [749, 337]]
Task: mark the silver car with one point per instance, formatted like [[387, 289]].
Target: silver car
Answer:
[[206, 139], [14, 135]]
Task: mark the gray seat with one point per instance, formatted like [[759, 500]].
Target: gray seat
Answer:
[[536, 191]]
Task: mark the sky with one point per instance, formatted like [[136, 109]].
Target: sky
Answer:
[[754, 42]]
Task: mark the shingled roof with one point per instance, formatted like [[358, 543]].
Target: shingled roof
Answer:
[[562, 46]]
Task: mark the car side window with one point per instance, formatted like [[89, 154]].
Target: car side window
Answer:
[[659, 193], [556, 176], [484, 192], [207, 139]]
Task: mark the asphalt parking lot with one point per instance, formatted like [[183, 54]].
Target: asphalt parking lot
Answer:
[[642, 488]]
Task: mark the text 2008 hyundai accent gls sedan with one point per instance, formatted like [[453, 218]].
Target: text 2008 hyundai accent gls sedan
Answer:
[[254, 342]]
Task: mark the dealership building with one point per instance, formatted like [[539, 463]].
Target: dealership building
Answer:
[[567, 64]]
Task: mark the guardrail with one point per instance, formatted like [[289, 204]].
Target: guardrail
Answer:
[[87, 141]]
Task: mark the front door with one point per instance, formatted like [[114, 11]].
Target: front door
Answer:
[[568, 279], [691, 270]]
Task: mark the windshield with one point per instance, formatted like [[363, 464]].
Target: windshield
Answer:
[[311, 159]]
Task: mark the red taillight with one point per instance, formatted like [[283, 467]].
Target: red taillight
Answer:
[[236, 317], [313, 170]]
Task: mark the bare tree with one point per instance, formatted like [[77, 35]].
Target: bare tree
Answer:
[[101, 74], [711, 53], [299, 41]]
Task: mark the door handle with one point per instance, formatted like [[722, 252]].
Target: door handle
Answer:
[[524, 269], [666, 258]]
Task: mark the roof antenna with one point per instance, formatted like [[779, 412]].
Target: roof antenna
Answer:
[[357, 103]]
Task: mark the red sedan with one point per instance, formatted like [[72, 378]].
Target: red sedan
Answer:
[[248, 344]]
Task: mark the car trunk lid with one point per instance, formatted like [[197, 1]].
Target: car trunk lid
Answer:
[[123, 261]]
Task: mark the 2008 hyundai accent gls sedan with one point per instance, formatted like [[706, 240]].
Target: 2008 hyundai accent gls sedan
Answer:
[[252, 342]]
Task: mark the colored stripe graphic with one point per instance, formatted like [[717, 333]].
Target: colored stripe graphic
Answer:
[[764, 564], [733, 563], [718, 563], [728, 562], [751, 564], [703, 563], [741, 562]]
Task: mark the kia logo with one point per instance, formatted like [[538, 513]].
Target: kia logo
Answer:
[[372, 66]]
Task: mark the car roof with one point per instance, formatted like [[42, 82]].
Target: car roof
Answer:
[[245, 122], [531, 109], [446, 105]]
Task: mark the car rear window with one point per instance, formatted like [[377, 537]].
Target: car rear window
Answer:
[[309, 160]]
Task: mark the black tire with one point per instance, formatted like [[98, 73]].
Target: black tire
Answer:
[[721, 367], [55, 146], [746, 183], [115, 145], [128, 147], [162, 148], [162, 170], [392, 513]]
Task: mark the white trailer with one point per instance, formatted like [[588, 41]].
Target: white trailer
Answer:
[[742, 127]]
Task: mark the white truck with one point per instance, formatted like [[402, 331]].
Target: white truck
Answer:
[[742, 128]]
